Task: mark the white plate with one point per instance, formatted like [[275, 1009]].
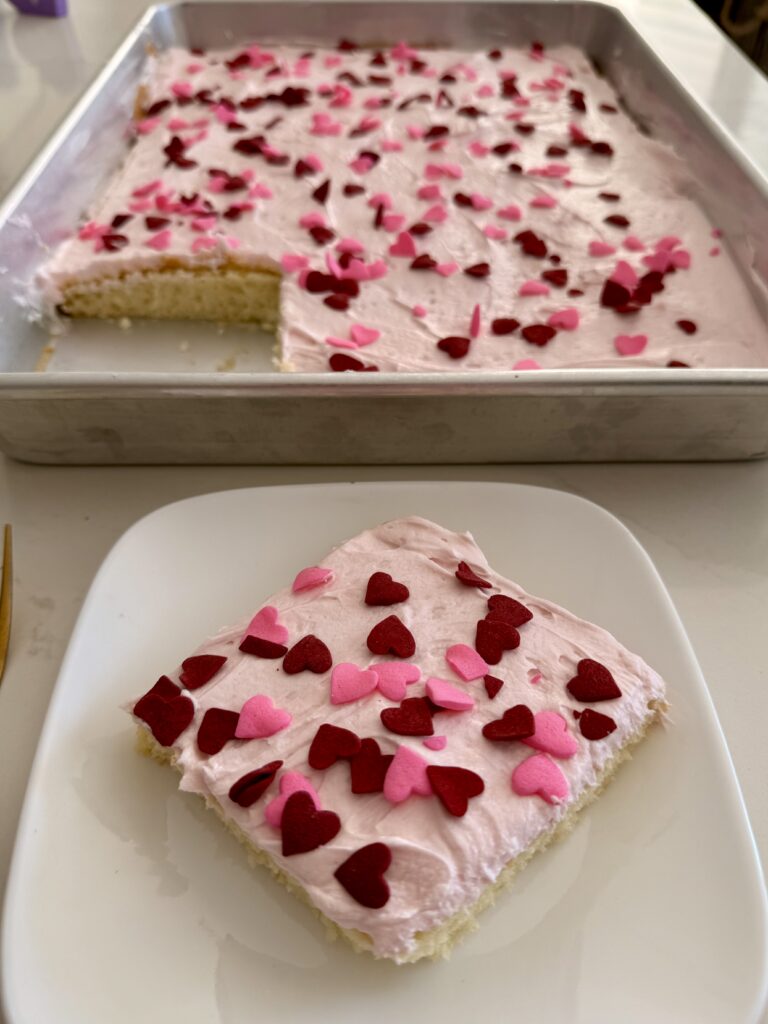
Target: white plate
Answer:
[[128, 902]]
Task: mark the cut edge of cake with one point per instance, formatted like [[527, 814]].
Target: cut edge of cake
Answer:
[[437, 943]]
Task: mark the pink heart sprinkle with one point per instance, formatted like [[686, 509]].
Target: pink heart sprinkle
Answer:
[[544, 202], [404, 246], [312, 220], [350, 245], [533, 288], [511, 212], [625, 275], [406, 775], [474, 323], [539, 776], [414, 131], [552, 735], [392, 221], [364, 335], [308, 579], [435, 742], [349, 683], [429, 192], [565, 319], [446, 269], [601, 249], [480, 202], [681, 259], [633, 244], [259, 718], [292, 261], [339, 342], [419, 311], [160, 241], [668, 243], [381, 199], [148, 125], [290, 782], [204, 242], [630, 344], [466, 662], [478, 148], [446, 695], [435, 214], [394, 676], [492, 231], [148, 189], [526, 364], [361, 165], [265, 626]]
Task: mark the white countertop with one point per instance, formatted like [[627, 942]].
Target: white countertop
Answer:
[[705, 526]]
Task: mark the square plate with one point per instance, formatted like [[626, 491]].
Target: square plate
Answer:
[[131, 902]]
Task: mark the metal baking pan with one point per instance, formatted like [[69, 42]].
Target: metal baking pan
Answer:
[[191, 393]]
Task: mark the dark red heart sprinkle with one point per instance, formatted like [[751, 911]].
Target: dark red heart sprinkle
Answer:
[[618, 220], [557, 151], [454, 345], [503, 148], [592, 682], [378, 60], [346, 46], [531, 244], [679, 363], [576, 99], [250, 147], [217, 728], [322, 235], [515, 168], [516, 723], [423, 262], [687, 326], [509, 87], [302, 168], [455, 787], [157, 108], [308, 654], [494, 55], [320, 194], [478, 270], [383, 590], [492, 685], [337, 302], [609, 197], [200, 669], [419, 228], [504, 325], [378, 220], [595, 726], [574, 292], [167, 717], [353, 189], [411, 718], [174, 152], [163, 688], [120, 219], [330, 744], [462, 199], [340, 361], [261, 648], [391, 636], [465, 575], [493, 637], [608, 108], [525, 129], [249, 787], [113, 242], [558, 278], [538, 334], [368, 767], [508, 609], [303, 827], [614, 294], [362, 875], [437, 131], [602, 148]]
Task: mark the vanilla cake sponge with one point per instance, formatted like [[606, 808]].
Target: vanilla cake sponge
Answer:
[[399, 730], [409, 209]]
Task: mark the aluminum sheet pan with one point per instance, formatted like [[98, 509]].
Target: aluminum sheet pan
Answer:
[[186, 392]]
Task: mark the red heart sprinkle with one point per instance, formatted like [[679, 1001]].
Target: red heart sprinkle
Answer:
[[609, 197], [330, 744], [163, 688], [516, 723], [322, 235], [504, 325], [614, 295], [508, 609], [391, 636], [679, 363], [247, 790], [262, 648], [303, 827], [531, 244], [310, 654], [217, 728], [618, 220], [339, 303], [383, 590], [320, 194], [412, 718], [353, 190], [423, 262], [493, 637], [200, 669], [478, 270], [368, 768], [492, 685], [469, 578], [339, 362], [167, 717], [558, 278], [362, 875], [455, 346], [455, 787], [539, 334], [595, 726], [592, 682], [687, 326]]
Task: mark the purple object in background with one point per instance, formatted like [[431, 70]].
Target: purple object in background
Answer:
[[44, 8]]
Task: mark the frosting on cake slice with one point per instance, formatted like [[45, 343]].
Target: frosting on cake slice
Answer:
[[399, 730]]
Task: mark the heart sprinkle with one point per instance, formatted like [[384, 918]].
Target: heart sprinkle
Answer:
[[200, 669], [265, 637], [508, 610], [309, 579], [391, 636], [290, 782], [446, 695], [217, 728], [362, 875], [368, 768], [259, 718], [592, 683], [167, 712], [304, 828], [330, 744], [247, 790], [551, 735], [464, 574], [466, 662], [350, 683], [516, 723], [411, 718], [493, 637], [455, 787], [435, 742], [539, 776], [406, 775], [383, 590], [492, 685], [595, 726], [394, 677], [308, 654]]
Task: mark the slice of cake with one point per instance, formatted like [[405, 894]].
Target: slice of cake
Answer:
[[397, 732], [409, 209]]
